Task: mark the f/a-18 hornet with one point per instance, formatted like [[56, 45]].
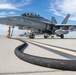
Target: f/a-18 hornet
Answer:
[[39, 24]]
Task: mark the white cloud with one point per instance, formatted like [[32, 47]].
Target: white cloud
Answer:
[[13, 5], [23, 3], [4, 13], [8, 6], [12, 12], [63, 7]]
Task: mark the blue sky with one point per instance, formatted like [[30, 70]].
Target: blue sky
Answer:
[[46, 8]]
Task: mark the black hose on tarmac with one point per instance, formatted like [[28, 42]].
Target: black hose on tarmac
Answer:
[[45, 62]]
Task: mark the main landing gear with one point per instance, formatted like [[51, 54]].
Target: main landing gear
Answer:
[[62, 36], [47, 35]]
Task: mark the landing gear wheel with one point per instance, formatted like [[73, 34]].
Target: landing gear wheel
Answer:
[[62, 36], [45, 36], [32, 36]]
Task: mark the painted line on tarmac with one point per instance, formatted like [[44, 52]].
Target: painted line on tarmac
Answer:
[[55, 48]]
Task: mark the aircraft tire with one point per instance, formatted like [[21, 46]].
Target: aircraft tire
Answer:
[[32, 36], [62, 36], [45, 36]]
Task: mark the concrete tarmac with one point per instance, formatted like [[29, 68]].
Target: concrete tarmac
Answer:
[[50, 48]]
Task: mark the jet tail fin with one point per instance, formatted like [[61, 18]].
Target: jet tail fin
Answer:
[[54, 20], [65, 19]]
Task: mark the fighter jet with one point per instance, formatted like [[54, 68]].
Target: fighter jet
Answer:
[[38, 24]]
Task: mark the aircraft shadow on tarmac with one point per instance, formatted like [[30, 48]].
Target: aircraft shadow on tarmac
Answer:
[[55, 38], [48, 38]]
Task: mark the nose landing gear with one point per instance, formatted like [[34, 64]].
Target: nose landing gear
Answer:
[[32, 36], [46, 35]]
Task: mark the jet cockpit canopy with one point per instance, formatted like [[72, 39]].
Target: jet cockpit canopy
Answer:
[[31, 15]]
